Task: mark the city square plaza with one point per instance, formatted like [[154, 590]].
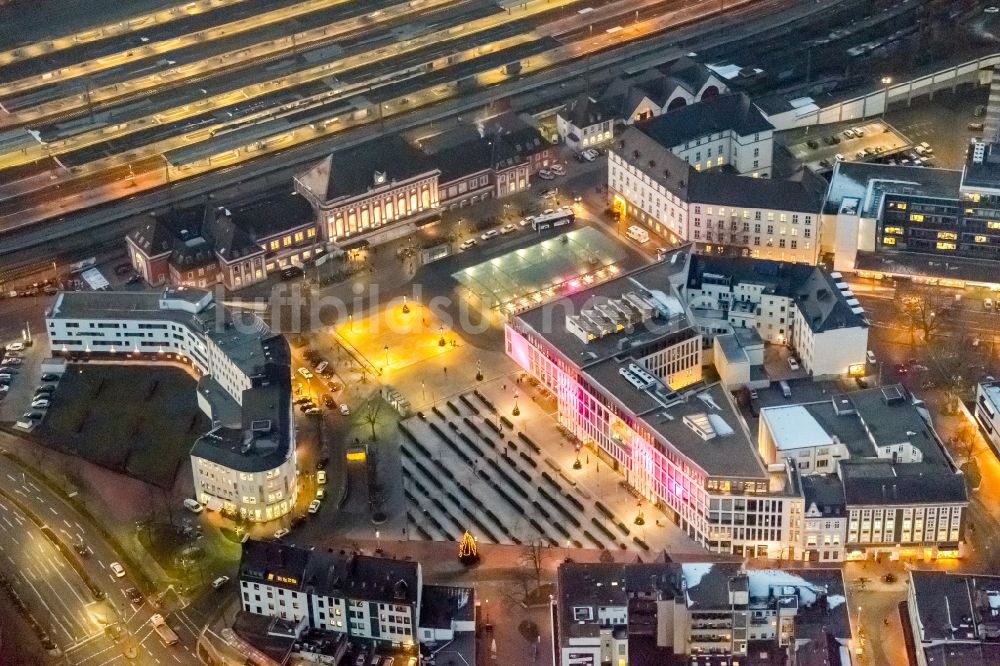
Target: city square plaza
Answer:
[[397, 335]]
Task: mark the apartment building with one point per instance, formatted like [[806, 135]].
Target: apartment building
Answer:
[[368, 599], [719, 210], [954, 618], [877, 481], [806, 308], [721, 614], [624, 362], [246, 464]]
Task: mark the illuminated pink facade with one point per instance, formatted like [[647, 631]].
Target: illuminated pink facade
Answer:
[[734, 513]]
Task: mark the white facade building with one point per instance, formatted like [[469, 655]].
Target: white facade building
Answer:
[[677, 440], [876, 479], [721, 211], [246, 464], [988, 413], [803, 307], [367, 598]]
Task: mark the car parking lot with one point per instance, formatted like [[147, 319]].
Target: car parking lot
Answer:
[[19, 373], [819, 147]]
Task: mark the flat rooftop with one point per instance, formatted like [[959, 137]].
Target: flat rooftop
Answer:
[[699, 420], [866, 182]]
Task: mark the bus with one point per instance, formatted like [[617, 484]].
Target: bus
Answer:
[[553, 218], [637, 233]]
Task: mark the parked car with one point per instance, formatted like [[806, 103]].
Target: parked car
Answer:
[[468, 244], [314, 506], [14, 347], [590, 155], [193, 506], [41, 403], [859, 132], [792, 363], [134, 596], [545, 174], [328, 401], [313, 411], [320, 493], [49, 377], [12, 359], [849, 133], [322, 462], [219, 582], [813, 143], [117, 569], [344, 410], [558, 169], [321, 477], [492, 233], [871, 356], [321, 366], [280, 532], [508, 228], [291, 273], [305, 373]]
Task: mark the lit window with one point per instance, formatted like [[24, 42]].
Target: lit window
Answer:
[[916, 217], [945, 246], [993, 224], [980, 239], [889, 240], [901, 205], [947, 235], [894, 230]]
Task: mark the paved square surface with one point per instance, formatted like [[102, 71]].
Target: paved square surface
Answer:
[[391, 339], [535, 273], [468, 463]]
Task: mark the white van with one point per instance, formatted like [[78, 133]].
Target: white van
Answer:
[[987, 304], [638, 234], [786, 390]]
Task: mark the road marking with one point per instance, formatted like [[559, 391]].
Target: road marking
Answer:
[[67, 524], [53, 511], [79, 644], [54, 617]]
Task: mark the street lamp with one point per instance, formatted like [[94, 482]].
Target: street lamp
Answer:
[[441, 341], [517, 410], [886, 81], [387, 357], [479, 370], [406, 308]]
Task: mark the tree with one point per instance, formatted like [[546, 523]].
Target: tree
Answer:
[[533, 559], [923, 310], [371, 413], [964, 442]]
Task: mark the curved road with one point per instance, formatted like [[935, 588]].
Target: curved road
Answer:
[[56, 593]]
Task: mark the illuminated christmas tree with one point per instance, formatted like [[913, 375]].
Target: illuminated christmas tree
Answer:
[[468, 552]]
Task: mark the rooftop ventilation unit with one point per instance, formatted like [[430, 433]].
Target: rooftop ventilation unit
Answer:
[[978, 152], [632, 379], [642, 373]]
